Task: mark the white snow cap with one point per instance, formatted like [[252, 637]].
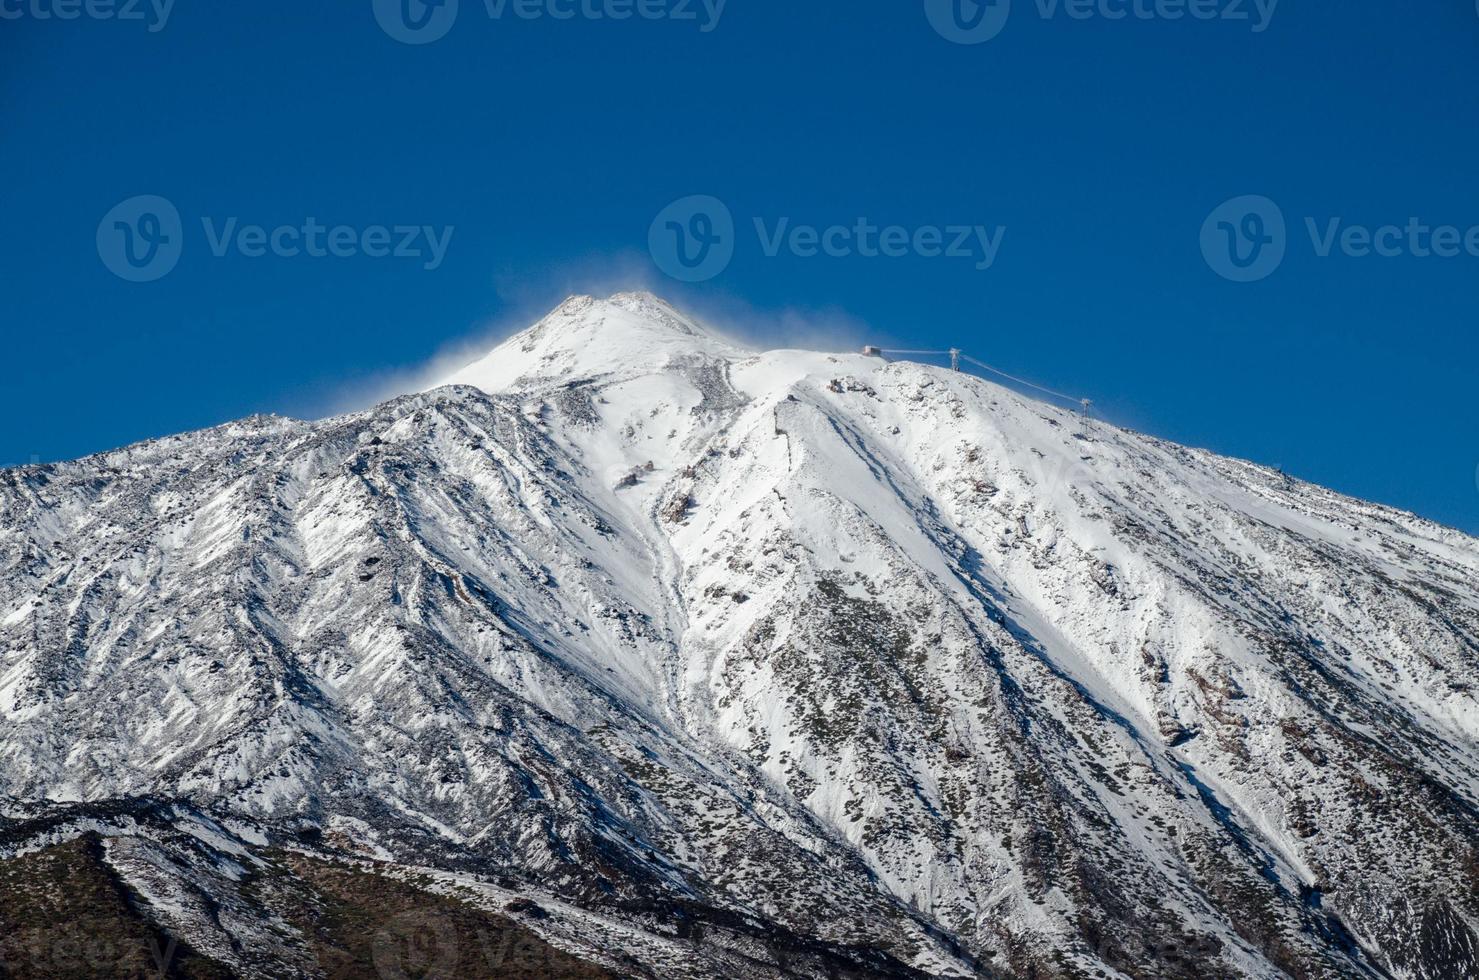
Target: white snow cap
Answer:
[[588, 337]]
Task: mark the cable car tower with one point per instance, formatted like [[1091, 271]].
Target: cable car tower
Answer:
[[956, 355]]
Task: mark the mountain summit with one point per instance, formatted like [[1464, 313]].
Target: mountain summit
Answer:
[[585, 337], [649, 655]]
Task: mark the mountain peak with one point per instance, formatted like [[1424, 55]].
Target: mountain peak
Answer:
[[584, 337], [644, 305], [581, 301]]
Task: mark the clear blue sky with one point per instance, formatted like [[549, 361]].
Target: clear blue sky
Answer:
[[550, 145]]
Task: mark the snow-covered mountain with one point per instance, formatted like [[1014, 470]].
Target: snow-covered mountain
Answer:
[[697, 661]]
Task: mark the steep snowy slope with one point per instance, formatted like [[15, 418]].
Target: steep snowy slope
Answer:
[[777, 663]]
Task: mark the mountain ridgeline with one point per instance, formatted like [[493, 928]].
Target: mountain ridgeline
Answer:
[[631, 652]]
